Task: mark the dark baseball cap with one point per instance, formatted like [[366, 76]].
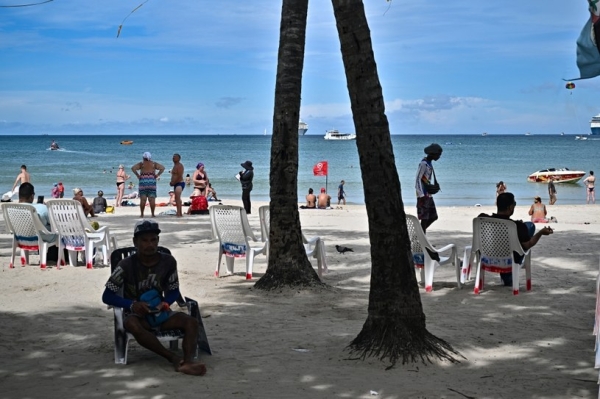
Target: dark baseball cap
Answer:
[[145, 226]]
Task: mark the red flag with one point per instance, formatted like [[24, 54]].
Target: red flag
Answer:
[[320, 169]]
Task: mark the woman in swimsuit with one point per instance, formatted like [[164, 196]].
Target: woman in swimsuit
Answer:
[[200, 180], [538, 211], [121, 177]]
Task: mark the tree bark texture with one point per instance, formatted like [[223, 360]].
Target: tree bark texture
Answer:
[[395, 327], [288, 263]]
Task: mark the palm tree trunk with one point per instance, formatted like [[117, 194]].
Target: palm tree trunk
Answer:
[[395, 327], [288, 263]]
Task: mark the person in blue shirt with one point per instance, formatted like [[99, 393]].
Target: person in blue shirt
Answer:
[[341, 193]]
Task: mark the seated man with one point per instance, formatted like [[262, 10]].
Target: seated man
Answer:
[[211, 193], [149, 270], [324, 199], [88, 210], [525, 230]]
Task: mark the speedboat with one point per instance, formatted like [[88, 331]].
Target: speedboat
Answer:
[[562, 175], [127, 142], [336, 135], [581, 137]]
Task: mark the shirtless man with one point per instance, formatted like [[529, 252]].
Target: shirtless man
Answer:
[[324, 200], [177, 182], [311, 199], [589, 184], [146, 173], [23, 177]]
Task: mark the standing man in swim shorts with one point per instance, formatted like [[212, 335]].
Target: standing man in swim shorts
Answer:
[[177, 182], [146, 173], [589, 184], [426, 211]]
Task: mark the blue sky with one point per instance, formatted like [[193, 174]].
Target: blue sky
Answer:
[[194, 66]]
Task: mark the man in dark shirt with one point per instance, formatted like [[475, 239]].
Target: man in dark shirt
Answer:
[[140, 273], [525, 230]]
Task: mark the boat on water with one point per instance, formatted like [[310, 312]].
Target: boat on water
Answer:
[[127, 142], [528, 134], [484, 134], [54, 146], [582, 137], [561, 175], [595, 125], [336, 135], [302, 128]]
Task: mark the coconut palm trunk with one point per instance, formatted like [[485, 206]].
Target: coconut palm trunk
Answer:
[[395, 327], [288, 263]]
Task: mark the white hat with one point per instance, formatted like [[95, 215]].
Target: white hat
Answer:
[[147, 156]]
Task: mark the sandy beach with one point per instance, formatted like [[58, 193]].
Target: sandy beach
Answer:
[[57, 336]]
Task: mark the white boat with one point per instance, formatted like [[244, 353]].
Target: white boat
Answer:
[[562, 175], [595, 125], [527, 134], [336, 135], [582, 137], [302, 128], [484, 134]]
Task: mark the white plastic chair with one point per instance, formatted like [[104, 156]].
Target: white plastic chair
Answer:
[[27, 230], [236, 239], [122, 336], [75, 232], [422, 252], [314, 247], [495, 242]]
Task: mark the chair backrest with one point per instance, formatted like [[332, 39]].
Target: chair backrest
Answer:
[[228, 224], [264, 215], [69, 221], [24, 223], [496, 239], [418, 240], [122, 253]]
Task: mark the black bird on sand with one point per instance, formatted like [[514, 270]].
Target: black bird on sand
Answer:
[[342, 250]]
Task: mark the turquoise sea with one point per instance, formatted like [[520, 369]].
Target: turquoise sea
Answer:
[[468, 171]]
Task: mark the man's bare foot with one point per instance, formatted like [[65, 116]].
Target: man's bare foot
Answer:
[[192, 368]]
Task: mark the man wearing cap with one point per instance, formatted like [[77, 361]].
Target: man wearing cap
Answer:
[[246, 177], [324, 199], [146, 173], [145, 271], [426, 211]]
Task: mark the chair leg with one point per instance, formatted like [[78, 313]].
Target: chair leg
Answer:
[[515, 278], [12, 255], [478, 279], [43, 254], [24, 257], [229, 263], [249, 263], [528, 271], [72, 258], [89, 255], [429, 267], [219, 261]]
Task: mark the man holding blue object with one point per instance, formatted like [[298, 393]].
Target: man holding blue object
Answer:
[[149, 273]]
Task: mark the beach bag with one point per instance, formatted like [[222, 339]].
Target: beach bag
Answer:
[[154, 299], [110, 209], [432, 188]]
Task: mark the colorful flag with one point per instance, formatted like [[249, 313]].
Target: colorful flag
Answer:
[[320, 169]]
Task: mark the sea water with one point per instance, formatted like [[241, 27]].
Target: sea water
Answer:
[[468, 170]]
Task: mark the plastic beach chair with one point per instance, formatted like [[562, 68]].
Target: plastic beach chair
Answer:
[[495, 241], [424, 253], [27, 230], [236, 239], [315, 246], [75, 232]]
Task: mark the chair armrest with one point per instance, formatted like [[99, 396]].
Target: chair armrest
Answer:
[[443, 249]]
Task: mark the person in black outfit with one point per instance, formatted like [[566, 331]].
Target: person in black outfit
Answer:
[[246, 177]]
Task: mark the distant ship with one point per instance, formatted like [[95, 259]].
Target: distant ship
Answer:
[[484, 134], [336, 135], [595, 125], [302, 128]]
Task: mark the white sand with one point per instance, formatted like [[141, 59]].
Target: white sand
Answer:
[[57, 336]]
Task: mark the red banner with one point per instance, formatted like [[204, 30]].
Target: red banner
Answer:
[[320, 169]]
